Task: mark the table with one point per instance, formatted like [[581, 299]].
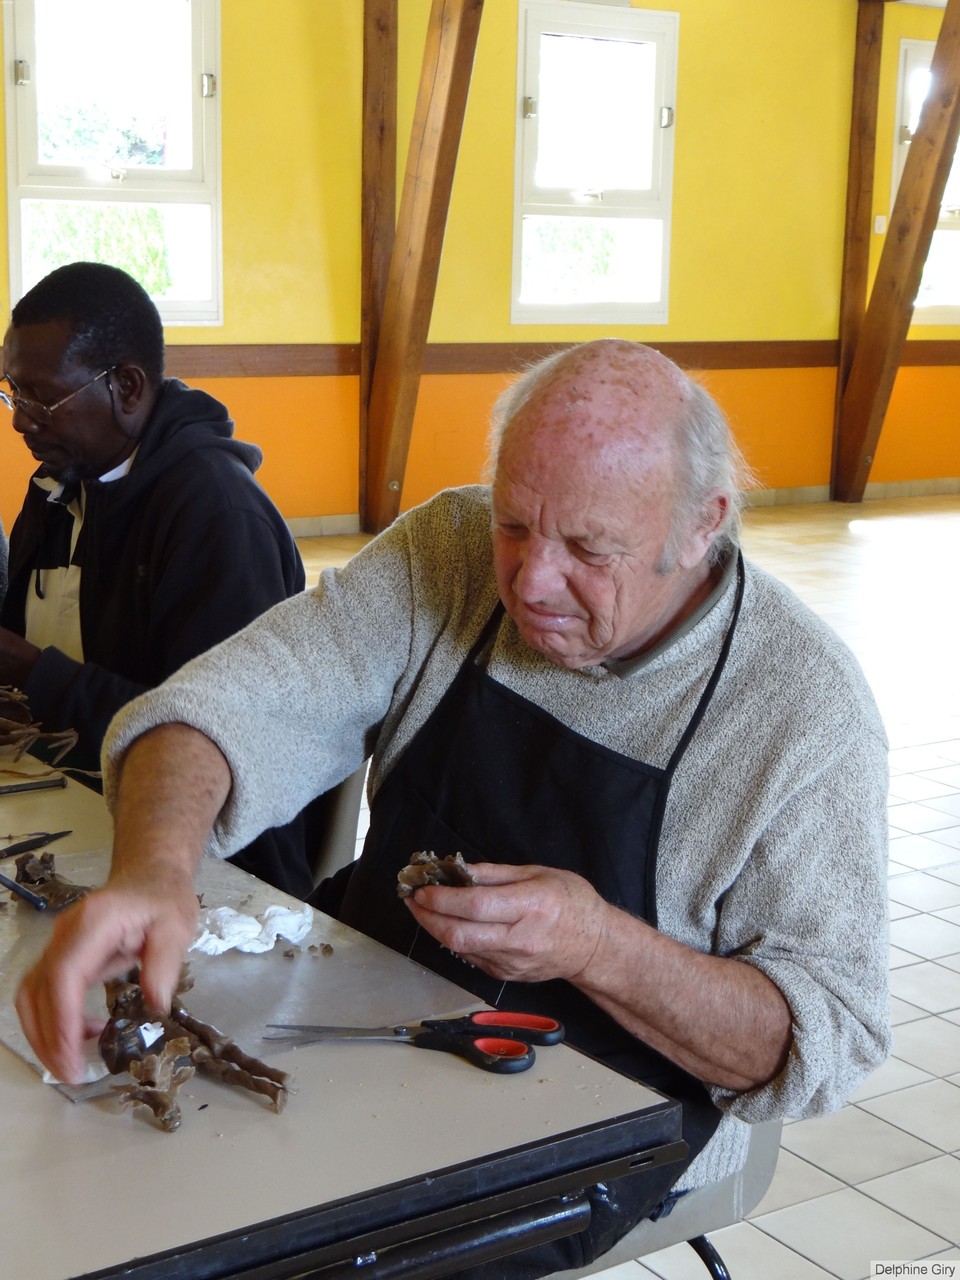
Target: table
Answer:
[[385, 1153]]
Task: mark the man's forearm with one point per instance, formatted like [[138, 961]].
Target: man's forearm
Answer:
[[173, 783], [720, 1019]]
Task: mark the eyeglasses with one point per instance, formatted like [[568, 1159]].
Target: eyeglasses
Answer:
[[43, 413]]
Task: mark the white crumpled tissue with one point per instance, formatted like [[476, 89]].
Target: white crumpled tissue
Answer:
[[222, 928]]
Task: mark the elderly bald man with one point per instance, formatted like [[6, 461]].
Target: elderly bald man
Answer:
[[669, 775]]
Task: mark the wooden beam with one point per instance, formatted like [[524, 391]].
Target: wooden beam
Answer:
[[912, 223], [378, 196], [435, 138], [860, 175]]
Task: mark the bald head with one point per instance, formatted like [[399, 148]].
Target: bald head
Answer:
[[599, 548], [620, 405]]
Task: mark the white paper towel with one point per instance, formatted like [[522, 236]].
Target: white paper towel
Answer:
[[222, 928]]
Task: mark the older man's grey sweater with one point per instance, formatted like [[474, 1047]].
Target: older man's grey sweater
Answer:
[[774, 843]]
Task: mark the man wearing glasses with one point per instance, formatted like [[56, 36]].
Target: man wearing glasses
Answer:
[[144, 538]]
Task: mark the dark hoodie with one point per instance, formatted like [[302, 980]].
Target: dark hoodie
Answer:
[[177, 555]]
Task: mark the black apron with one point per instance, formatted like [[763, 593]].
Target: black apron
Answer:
[[493, 776]]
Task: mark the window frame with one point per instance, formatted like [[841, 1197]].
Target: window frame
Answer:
[[914, 53], [29, 179], [611, 21]]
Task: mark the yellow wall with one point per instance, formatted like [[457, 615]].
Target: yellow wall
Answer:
[[762, 122]]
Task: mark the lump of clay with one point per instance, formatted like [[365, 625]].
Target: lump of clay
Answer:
[[162, 1052], [427, 868], [38, 874]]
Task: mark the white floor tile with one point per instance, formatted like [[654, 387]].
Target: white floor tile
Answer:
[[899, 958], [929, 1194], [929, 985], [922, 853], [949, 803], [898, 911], [915, 759], [949, 776], [929, 1111], [853, 1145], [911, 786], [795, 1180], [898, 869], [930, 1043], [925, 892], [926, 935], [892, 1075], [901, 1010], [749, 1254], [920, 818], [844, 1232]]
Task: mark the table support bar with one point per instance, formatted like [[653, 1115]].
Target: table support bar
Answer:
[[444, 1252]]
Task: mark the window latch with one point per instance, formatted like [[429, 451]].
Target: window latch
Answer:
[[208, 85], [666, 117], [529, 108], [21, 71]]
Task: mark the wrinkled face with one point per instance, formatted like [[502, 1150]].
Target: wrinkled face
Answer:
[[583, 506], [82, 440]]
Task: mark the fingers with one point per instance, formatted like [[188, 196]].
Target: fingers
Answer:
[[52, 996], [522, 923], [102, 937]]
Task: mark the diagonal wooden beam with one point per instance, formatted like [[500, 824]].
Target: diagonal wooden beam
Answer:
[[435, 138], [378, 196], [912, 223]]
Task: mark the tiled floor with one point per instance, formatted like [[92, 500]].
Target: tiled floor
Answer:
[[879, 1180]]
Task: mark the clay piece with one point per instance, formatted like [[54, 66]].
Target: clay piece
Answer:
[[426, 868], [162, 1052], [38, 874]]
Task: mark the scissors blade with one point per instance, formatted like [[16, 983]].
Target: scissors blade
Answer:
[[32, 842], [308, 1033]]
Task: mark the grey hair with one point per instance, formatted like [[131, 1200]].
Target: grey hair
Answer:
[[710, 460]]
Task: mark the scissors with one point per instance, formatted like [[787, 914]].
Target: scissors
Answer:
[[494, 1041]]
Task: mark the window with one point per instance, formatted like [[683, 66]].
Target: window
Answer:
[[594, 163], [938, 300], [113, 145]]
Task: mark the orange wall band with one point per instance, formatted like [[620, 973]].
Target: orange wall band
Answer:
[[782, 418]]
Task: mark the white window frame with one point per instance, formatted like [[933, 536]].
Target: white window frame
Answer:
[[27, 178], [915, 54], [611, 21]]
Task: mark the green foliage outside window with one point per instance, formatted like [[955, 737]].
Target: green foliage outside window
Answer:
[[131, 237]]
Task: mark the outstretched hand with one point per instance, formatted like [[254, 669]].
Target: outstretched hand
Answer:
[[103, 936], [522, 924]]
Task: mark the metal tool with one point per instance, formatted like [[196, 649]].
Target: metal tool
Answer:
[[490, 1039], [33, 842], [36, 901]]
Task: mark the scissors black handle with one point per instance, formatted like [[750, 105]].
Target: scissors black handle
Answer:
[[528, 1027], [488, 1052]]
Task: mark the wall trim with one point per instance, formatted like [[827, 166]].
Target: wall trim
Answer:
[[323, 360]]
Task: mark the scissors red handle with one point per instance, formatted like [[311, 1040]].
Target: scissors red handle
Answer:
[[487, 1052], [529, 1027]]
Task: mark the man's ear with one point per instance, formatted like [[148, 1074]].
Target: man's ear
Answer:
[[130, 388], [713, 515]]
